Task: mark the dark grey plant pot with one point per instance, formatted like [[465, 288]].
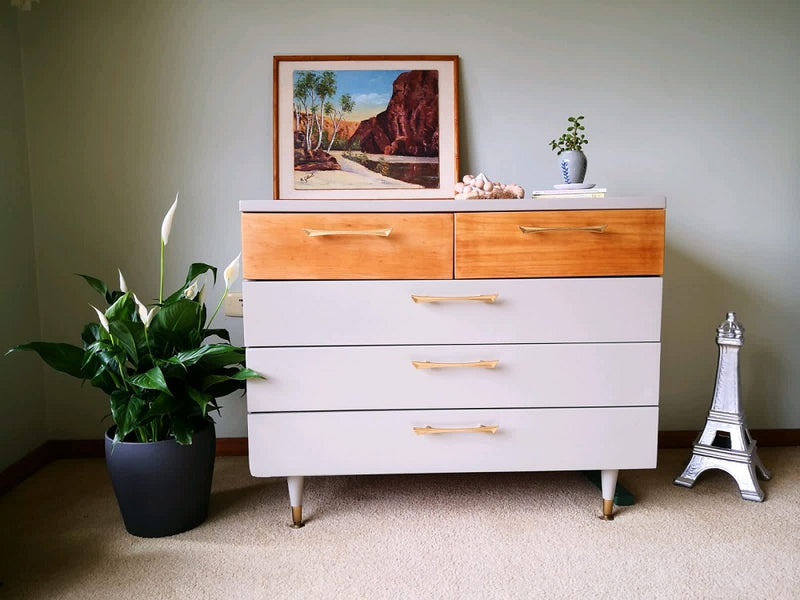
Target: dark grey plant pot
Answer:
[[162, 488]]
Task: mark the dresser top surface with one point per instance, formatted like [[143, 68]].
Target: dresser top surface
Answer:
[[428, 206]]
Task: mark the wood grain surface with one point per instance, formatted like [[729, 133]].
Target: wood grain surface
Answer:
[[275, 246], [493, 245]]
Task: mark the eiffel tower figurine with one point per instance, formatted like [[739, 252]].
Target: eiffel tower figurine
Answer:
[[725, 443]]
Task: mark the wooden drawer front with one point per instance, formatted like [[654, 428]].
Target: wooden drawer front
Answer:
[[360, 442], [341, 313], [385, 377], [277, 246], [493, 245]]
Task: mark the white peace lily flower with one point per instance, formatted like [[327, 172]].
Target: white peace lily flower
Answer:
[[102, 317], [166, 226], [140, 307], [231, 271], [201, 295], [145, 316], [123, 286], [149, 316], [190, 292]]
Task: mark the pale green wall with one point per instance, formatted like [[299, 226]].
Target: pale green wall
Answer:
[[129, 102], [22, 426]]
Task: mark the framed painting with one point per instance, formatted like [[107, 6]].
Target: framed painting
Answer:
[[365, 127]]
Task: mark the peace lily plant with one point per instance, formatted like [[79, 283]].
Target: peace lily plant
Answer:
[[162, 375]]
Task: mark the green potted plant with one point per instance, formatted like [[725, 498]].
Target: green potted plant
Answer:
[[571, 159], [163, 369]]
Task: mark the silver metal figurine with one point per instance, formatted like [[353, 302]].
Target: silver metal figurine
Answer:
[[725, 442]]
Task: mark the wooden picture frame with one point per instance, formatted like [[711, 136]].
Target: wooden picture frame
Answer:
[[365, 127]]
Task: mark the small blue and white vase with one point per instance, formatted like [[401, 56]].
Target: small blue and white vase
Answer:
[[573, 166]]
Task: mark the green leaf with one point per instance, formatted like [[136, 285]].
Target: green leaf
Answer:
[[66, 358], [127, 411], [225, 388], [182, 430], [122, 309], [103, 380], [196, 269], [136, 329], [122, 335], [201, 398], [212, 356], [90, 333], [176, 295], [164, 404], [151, 380], [97, 285], [247, 373], [91, 363], [110, 356], [176, 323], [220, 333], [222, 384]]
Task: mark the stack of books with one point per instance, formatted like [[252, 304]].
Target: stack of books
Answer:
[[569, 194]]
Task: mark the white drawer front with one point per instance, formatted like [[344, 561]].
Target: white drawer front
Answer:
[[336, 313], [362, 442], [384, 377]]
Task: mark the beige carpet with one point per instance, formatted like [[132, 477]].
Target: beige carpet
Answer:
[[526, 535]]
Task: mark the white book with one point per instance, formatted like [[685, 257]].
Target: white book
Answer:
[[569, 192]]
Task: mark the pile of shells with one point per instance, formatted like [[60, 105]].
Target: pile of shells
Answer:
[[481, 187]]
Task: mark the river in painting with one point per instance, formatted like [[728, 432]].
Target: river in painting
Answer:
[[425, 174]]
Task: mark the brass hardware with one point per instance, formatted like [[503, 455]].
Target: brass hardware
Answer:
[[488, 298], [608, 510], [479, 429], [320, 232], [589, 228], [426, 364], [297, 517]]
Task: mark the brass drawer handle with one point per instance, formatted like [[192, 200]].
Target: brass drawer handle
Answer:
[[320, 232], [426, 364], [479, 429], [488, 298], [589, 228]]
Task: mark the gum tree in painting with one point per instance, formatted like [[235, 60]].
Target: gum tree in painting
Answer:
[[346, 106]]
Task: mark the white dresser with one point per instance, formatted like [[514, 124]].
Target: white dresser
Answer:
[[452, 336]]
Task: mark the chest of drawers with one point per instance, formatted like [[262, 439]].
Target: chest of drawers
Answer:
[[452, 336]]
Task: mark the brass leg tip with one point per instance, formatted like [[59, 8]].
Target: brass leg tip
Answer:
[[608, 510], [297, 517]]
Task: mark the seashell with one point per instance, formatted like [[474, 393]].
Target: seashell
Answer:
[[480, 186]]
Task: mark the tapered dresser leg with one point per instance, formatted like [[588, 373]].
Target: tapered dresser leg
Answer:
[[608, 484], [296, 501]]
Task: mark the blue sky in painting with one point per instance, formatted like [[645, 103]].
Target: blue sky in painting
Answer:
[[371, 90]]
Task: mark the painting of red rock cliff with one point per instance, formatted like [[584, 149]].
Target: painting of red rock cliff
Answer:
[[368, 127]]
